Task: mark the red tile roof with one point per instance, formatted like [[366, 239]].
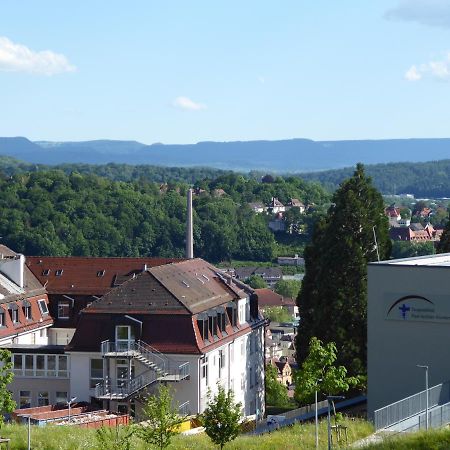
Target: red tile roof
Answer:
[[267, 297], [88, 275]]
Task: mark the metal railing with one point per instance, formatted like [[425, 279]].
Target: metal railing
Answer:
[[123, 388], [153, 358], [184, 409], [411, 406], [161, 368]]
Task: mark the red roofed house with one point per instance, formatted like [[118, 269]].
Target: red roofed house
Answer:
[[269, 298], [182, 323], [275, 206], [74, 282], [24, 325], [284, 371]]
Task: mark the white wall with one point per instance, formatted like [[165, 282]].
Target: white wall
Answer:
[[396, 346], [35, 337], [80, 374], [60, 336]]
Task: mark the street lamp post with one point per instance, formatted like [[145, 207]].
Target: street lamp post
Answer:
[[29, 432], [426, 393], [317, 415], [330, 399], [69, 403]]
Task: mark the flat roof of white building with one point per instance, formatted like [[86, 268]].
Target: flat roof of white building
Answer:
[[439, 260]]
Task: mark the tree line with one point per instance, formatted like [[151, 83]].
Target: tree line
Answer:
[[53, 213], [422, 179]]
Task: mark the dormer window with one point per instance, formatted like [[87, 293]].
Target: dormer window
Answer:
[[101, 273], [27, 310], [59, 272], [63, 309], [2, 318], [202, 323], [46, 272], [232, 313], [14, 312]]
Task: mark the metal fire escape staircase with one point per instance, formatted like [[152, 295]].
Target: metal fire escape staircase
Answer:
[[160, 368]]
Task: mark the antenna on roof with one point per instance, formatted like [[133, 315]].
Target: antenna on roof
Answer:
[[376, 243]]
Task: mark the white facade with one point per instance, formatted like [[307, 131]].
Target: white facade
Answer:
[[408, 325]]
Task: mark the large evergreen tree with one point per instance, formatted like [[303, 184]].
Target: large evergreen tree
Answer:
[[333, 297]]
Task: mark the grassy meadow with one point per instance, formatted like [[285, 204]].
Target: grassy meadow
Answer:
[[290, 438]]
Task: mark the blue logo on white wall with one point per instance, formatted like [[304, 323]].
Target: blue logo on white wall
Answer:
[[420, 308], [404, 309]]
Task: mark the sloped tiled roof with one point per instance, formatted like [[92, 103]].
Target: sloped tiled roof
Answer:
[[196, 284], [267, 297], [88, 275]]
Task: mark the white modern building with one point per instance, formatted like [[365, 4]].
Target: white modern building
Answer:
[[408, 325]]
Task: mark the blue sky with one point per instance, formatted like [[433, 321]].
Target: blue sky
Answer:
[[183, 72]]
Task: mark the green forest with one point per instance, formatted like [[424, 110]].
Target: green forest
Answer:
[[427, 179], [49, 212]]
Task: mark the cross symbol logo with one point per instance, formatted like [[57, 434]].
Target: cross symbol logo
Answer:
[[404, 309]]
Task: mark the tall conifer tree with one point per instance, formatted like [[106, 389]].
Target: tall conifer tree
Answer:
[[333, 298]]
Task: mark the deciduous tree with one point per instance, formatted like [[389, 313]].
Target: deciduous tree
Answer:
[[276, 393], [162, 419], [7, 404], [319, 373], [221, 417]]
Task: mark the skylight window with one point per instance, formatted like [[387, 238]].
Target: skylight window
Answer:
[[46, 272], [43, 306], [59, 272], [101, 273]]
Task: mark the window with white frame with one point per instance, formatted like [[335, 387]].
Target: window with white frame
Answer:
[[24, 399], [27, 311], [63, 309], [204, 368], [14, 315], [96, 372], [26, 365], [43, 399], [2, 318], [43, 306]]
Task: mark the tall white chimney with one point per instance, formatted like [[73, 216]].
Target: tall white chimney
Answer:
[[189, 227]]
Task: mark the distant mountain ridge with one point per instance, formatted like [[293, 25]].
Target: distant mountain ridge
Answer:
[[293, 155]]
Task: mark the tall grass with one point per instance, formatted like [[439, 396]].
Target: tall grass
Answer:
[[424, 440], [68, 438]]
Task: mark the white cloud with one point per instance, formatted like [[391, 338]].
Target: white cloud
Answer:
[[187, 104], [439, 70], [19, 58], [426, 12], [412, 74]]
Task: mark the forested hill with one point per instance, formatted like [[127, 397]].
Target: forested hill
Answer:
[[427, 179], [299, 155], [117, 172], [51, 213]]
